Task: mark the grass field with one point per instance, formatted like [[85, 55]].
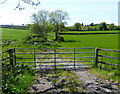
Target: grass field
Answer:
[[14, 34], [14, 37], [91, 31], [107, 41]]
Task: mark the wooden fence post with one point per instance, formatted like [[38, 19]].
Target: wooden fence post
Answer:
[[11, 54], [14, 56], [96, 57]]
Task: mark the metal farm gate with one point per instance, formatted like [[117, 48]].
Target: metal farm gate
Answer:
[[52, 58]]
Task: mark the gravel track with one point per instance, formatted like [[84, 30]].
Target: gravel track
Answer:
[[91, 83], [96, 85]]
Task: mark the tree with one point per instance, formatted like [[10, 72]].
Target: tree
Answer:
[[37, 29], [41, 17], [77, 26], [111, 26], [30, 2], [98, 28], [118, 27], [58, 18], [62, 27], [40, 22], [103, 26], [92, 24]]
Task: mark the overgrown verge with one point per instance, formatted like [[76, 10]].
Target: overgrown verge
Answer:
[[107, 74], [16, 79], [107, 66]]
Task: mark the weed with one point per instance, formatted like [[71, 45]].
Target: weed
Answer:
[[16, 79]]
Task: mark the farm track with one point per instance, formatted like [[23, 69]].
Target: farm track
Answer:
[[96, 85], [90, 82]]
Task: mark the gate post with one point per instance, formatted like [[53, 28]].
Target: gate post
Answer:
[[96, 57], [35, 58], [74, 57], [12, 56], [54, 58]]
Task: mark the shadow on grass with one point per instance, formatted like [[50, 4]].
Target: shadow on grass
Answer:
[[72, 41]]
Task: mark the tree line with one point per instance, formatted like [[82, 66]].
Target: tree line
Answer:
[[23, 27], [103, 26]]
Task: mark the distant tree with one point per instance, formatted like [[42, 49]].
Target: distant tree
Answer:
[[111, 26], [77, 26], [30, 2], [58, 18], [118, 27], [82, 24], [70, 28], [98, 27], [94, 28], [88, 28], [92, 24], [103, 26]]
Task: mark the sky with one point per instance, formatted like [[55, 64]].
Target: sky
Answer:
[[82, 11]]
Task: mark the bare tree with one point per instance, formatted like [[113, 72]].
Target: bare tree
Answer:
[[30, 2]]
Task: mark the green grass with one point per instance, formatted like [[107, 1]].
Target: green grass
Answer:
[[109, 41], [91, 31], [16, 79], [12, 38], [14, 34], [113, 75]]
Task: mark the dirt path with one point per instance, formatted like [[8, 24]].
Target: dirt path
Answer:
[[90, 83], [94, 84]]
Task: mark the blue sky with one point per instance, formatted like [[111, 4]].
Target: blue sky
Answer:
[[83, 11]]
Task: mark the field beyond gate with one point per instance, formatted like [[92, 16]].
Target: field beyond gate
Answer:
[[53, 58]]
